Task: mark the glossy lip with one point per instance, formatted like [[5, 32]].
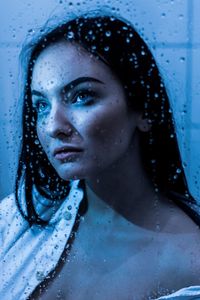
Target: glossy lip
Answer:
[[66, 152]]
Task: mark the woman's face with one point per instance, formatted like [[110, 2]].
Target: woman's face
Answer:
[[83, 122]]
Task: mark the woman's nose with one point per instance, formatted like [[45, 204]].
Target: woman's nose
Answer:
[[59, 124]]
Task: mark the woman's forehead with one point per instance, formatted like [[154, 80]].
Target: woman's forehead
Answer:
[[64, 61]]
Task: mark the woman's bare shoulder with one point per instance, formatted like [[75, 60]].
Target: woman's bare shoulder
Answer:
[[178, 216], [182, 244]]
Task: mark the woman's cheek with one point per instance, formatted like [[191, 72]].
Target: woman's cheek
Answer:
[[106, 121], [43, 137]]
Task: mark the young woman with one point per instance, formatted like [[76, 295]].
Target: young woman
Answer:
[[101, 208]]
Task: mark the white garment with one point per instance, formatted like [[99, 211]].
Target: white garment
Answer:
[[189, 293], [28, 255]]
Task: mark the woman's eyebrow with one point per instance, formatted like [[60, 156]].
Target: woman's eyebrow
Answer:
[[70, 85], [79, 80], [36, 93]]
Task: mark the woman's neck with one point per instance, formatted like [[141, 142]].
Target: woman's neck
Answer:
[[125, 187]]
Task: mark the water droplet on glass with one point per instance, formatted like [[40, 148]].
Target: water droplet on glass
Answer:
[[156, 95], [94, 47], [70, 34], [184, 112], [108, 33], [153, 161], [67, 215], [184, 164], [31, 31], [40, 275], [36, 142], [178, 171], [182, 59], [69, 207]]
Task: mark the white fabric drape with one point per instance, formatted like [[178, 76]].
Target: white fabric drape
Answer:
[[27, 254]]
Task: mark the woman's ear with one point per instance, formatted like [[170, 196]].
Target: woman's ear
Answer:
[[143, 123]]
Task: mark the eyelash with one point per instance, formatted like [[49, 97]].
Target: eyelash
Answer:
[[84, 92]]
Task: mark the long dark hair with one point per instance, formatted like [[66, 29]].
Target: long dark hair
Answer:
[[117, 44]]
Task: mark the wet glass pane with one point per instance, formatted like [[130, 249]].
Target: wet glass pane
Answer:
[[80, 105]]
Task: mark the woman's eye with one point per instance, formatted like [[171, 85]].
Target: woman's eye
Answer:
[[41, 106], [83, 97]]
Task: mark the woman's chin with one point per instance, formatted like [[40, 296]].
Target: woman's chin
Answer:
[[72, 172], [70, 175]]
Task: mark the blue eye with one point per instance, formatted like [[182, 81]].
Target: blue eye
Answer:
[[83, 97], [41, 106]]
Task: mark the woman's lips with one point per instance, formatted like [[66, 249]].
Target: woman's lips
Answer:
[[66, 153]]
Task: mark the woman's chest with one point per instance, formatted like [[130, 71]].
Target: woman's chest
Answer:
[[109, 268]]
